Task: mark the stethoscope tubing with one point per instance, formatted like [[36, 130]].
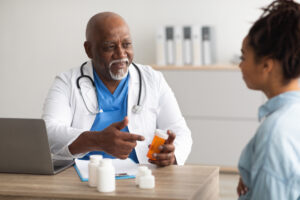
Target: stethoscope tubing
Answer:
[[93, 83]]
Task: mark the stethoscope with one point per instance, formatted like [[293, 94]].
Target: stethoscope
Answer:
[[135, 109]]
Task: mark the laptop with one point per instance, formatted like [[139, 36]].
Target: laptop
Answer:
[[24, 148]]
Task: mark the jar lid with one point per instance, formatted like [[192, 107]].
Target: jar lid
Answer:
[[161, 133], [106, 162], [95, 158]]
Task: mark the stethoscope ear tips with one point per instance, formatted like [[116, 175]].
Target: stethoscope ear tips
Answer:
[[136, 109]]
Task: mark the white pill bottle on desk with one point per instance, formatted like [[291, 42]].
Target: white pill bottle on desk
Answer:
[[141, 172], [147, 181], [92, 167], [106, 176]]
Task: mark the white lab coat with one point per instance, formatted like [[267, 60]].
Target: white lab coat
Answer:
[[66, 114]]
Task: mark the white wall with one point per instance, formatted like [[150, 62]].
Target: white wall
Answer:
[[40, 38]]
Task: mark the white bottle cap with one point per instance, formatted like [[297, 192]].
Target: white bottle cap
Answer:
[[142, 168], [95, 158], [147, 172], [161, 133], [106, 162]]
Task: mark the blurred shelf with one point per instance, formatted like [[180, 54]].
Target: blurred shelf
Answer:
[[229, 170], [204, 67]]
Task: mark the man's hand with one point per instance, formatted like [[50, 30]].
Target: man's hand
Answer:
[[166, 156], [115, 142], [110, 140], [241, 188]]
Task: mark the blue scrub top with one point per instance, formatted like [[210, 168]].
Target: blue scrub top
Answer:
[[114, 108]]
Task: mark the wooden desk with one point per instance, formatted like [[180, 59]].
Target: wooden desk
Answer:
[[172, 182]]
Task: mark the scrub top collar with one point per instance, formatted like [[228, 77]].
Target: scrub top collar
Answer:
[[277, 102], [107, 100]]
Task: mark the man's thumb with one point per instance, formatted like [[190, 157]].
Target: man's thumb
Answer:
[[122, 124]]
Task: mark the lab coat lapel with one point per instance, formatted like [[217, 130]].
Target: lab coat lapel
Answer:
[[87, 88], [136, 121], [133, 90]]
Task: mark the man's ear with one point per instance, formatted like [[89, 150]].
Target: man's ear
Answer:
[[88, 49]]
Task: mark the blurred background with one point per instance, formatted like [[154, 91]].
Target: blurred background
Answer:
[[41, 38]]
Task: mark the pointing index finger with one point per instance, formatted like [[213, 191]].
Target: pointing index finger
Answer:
[[132, 137]]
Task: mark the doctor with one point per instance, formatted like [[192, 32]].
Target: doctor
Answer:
[[111, 106]]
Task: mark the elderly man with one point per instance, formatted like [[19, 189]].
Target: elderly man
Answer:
[[111, 106]]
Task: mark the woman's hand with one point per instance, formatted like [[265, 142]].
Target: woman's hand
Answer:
[[241, 188]]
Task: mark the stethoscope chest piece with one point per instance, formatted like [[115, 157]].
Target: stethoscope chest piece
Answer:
[[136, 109]]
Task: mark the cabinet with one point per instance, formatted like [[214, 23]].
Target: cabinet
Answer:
[[219, 109]]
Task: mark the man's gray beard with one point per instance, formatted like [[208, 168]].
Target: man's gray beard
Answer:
[[121, 73]]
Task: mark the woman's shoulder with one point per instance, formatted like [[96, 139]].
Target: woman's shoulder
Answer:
[[279, 137], [284, 120]]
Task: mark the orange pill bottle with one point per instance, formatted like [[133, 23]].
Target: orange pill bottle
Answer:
[[159, 139]]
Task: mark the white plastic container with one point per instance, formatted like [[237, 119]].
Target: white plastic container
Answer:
[[147, 181], [141, 172], [106, 176], [92, 169]]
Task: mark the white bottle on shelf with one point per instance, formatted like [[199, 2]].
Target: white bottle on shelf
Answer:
[[106, 176], [160, 46], [170, 50], [92, 169], [141, 172], [197, 40], [178, 33], [147, 181], [207, 45], [187, 45]]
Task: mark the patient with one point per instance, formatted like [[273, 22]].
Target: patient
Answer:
[[270, 163]]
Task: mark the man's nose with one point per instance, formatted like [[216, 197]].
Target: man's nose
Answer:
[[120, 52]]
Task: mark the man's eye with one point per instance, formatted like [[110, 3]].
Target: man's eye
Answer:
[[242, 58], [127, 44], [109, 47]]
